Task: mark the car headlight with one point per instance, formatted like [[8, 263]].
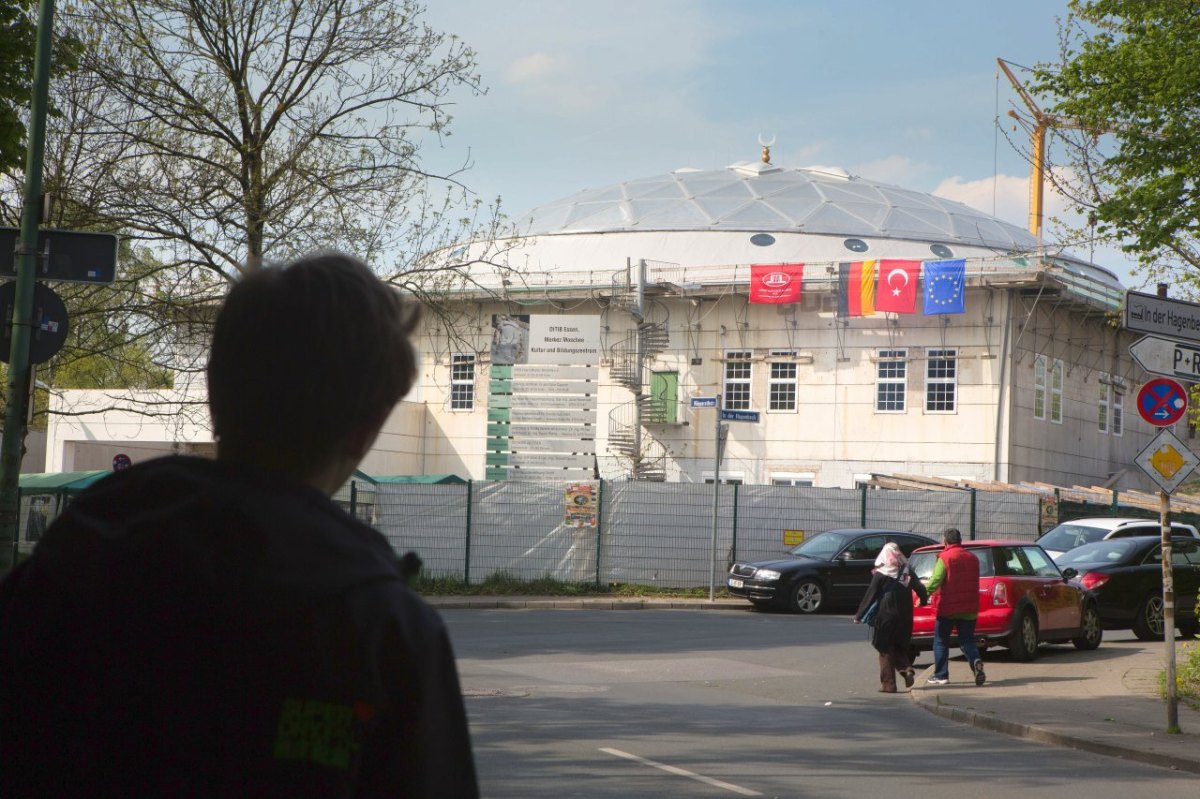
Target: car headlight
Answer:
[[766, 574]]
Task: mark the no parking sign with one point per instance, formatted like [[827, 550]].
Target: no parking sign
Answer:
[[1162, 402]]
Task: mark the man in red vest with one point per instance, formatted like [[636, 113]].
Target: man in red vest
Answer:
[[954, 586]]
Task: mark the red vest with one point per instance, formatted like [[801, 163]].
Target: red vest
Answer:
[[959, 592]]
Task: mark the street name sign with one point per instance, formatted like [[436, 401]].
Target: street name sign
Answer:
[[739, 416], [72, 256], [1149, 313], [1167, 461], [704, 402], [1162, 402]]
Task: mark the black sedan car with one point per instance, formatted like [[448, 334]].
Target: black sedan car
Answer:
[[827, 569], [1125, 576]]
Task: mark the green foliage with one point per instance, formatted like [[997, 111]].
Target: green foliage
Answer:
[[1129, 76], [504, 584], [18, 45], [18, 39]]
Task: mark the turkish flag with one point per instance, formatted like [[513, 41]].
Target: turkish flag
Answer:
[[776, 283], [897, 290]]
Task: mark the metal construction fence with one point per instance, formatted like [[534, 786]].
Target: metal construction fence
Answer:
[[648, 533]]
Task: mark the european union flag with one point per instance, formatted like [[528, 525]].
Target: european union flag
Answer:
[[944, 286]]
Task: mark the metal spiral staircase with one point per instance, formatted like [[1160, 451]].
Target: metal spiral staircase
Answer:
[[647, 457]]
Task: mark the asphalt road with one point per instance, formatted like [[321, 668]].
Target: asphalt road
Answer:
[[681, 703]]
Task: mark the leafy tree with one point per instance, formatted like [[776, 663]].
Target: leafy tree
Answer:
[[1126, 91], [18, 40]]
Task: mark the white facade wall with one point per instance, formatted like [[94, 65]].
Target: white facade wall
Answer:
[[836, 435]]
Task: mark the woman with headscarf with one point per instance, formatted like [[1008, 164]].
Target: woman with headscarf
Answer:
[[892, 587]]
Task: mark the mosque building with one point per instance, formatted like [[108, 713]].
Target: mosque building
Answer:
[[821, 326]]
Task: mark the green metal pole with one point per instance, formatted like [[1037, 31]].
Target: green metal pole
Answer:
[[467, 554], [353, 499], [22, 323], [599, 526], [733, 543], [862, 506], [973, 507]]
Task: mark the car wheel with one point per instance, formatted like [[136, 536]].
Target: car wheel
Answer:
[[1148, 621], [1091, 630], [807, 597], [1023, 643]]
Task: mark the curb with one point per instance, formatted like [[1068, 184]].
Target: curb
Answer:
[[485, 603], [1041, 734]]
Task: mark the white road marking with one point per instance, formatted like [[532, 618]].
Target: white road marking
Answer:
[[682, 772]]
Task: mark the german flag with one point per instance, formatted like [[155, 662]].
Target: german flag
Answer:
[[856, 288]]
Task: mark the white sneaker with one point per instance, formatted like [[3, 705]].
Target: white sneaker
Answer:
[[937, 681]]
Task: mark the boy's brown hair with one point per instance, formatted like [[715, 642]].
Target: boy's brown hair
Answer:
[[303, 354]]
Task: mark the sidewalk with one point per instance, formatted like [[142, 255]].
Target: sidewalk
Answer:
[[1105, 702]]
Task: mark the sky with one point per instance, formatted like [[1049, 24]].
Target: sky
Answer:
[[582, 95]]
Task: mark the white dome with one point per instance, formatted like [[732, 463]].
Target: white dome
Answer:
[[761, 198]]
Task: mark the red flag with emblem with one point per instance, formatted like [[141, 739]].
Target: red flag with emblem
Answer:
[[776, 283]]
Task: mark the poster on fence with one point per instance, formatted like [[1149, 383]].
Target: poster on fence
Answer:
[[581, 505]]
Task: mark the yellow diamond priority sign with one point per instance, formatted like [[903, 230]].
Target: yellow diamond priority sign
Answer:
[[1167, 461]]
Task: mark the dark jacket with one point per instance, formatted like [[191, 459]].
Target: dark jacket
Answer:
[[959, 591], [190, 628], [892, 625]]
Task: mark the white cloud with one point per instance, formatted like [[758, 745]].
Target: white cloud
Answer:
[[1007, 197], [529, 68], [898, 169]]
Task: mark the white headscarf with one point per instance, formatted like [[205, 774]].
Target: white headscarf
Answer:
[[890, 560]]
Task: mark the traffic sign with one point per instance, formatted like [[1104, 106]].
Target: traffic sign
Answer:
[[704, 402], [1162, 402], [1167, 461], [1163, 356], [1148, 313], [72, 256], [49, 324], [121, 461], [739, 416]]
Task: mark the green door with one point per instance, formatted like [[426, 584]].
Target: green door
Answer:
[[664, 392]]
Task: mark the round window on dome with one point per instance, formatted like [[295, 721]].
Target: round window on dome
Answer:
[[856, 245], [941, 250], [762, 239]]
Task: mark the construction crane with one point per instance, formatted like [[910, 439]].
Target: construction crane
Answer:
[[1042, 122]]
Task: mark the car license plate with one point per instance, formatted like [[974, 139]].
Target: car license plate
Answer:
[[735, 583]]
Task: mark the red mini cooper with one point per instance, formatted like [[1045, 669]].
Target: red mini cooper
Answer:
[[1024, 600]]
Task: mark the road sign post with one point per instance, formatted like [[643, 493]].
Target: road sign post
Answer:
[[1167, 461]]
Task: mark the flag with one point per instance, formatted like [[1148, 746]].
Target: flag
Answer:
[[776, 283], [944, 286], [898, 286], [856, 288]]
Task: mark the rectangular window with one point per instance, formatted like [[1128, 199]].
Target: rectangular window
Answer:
[[1104, 400], [941, 381], [737, 381], [781, 388], [805, 479], [1039, 387], [1056, 392], [891, 381], [1118, 410], [462, 382]]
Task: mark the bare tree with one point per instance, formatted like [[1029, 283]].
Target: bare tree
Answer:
[[263, 129]]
